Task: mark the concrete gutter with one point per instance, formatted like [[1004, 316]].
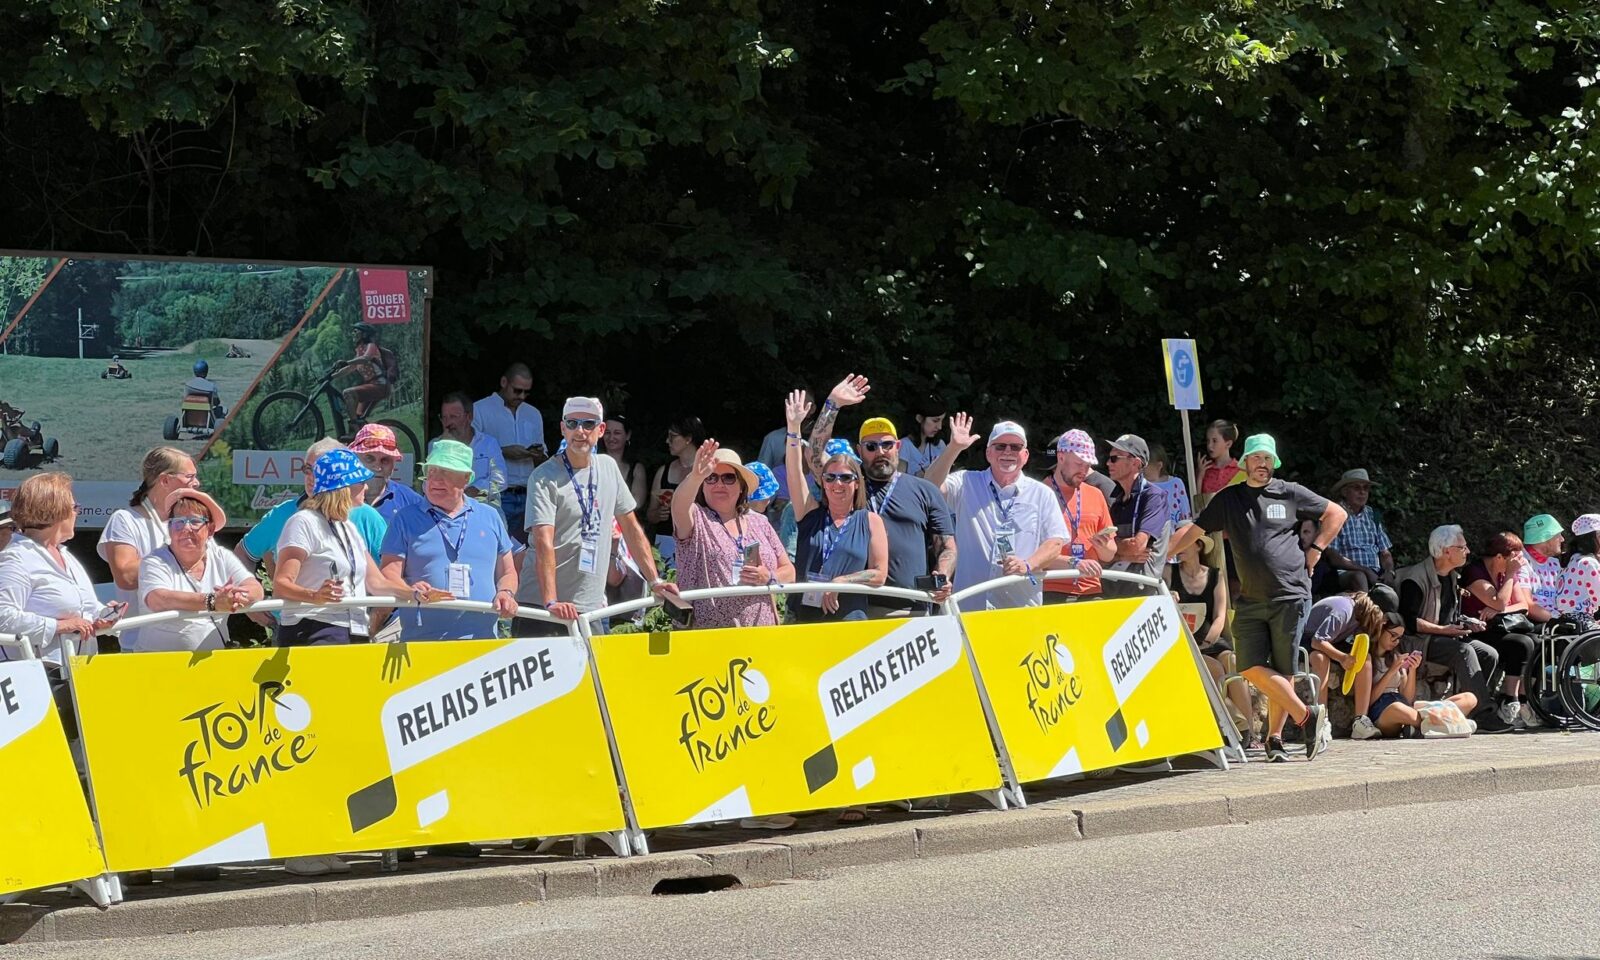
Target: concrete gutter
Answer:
[[1094, 809]]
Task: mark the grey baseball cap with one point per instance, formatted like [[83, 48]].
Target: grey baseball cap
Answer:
[[1130, 443]]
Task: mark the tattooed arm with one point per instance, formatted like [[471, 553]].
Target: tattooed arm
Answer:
[[849, 391]]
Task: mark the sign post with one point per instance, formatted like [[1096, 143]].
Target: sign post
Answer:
[[1182, 362]]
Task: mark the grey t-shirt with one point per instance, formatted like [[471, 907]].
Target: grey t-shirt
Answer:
[[556, 499], [1260, 523]]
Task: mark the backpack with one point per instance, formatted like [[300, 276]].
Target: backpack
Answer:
[[391, 365]]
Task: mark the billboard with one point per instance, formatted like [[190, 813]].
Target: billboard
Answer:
[[242, 365]]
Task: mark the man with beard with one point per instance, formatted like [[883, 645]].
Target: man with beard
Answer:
[[1139, 509], [1260, 518], [1006, 523], [1092, 535], [920, 528]]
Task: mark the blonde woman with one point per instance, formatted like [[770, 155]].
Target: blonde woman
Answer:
[[140, 529], [322, 558]]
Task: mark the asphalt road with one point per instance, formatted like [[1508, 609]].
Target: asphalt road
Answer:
[[1504, 877]]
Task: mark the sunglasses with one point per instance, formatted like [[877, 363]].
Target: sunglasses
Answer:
[[518, 391], [573, 423], [873, 446], [1006, 447], [726, 479], [839, 478], [1117, 457], [182, 523]]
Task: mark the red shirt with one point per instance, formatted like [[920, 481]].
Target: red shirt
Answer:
[[1086, 512]]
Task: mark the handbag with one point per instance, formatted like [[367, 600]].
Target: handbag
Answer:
[[1437, 719], [1514, 622]]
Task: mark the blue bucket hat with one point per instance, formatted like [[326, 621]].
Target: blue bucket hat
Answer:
[[837, 446], [336, 470], [766, 482]]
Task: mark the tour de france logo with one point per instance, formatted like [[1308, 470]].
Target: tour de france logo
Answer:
[[235, 745], [1052, 686], [723, 712]]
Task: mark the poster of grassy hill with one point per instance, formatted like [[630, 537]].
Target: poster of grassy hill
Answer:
[[241, 365]]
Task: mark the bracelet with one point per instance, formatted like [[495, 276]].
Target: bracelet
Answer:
[[828, 404], [211, 601], [772, 581], [506, 590], [1318, 547], [791, 436]]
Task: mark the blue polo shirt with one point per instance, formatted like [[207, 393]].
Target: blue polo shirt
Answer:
[[395, 498], [430, 540]]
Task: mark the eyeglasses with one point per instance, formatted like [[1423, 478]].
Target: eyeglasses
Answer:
[[1116, 457], [189, 477], [1457, 546], [873, 446], [183, 523], [839, 478], [1006, 447], [573, 423], [726, 479]]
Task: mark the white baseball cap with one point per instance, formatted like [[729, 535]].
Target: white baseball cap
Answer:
[[583, 405], [1587, 523], [1011, 428]]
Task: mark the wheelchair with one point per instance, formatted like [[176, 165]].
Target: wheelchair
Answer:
[[1540, 688], [1577, 678]]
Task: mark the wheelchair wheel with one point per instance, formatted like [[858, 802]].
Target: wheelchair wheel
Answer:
[[1539, 686], [1578, 679]]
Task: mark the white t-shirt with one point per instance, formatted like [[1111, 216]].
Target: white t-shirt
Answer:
[[142, 529], [980, 508], [332, 550], [160, 571]]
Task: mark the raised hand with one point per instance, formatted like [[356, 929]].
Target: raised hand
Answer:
[[796, 407], [705, 459], [961, 435], [851, 390]]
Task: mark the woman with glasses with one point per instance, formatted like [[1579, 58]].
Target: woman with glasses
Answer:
[[193, 573], [140, 529], [721, 542], [839, 540]]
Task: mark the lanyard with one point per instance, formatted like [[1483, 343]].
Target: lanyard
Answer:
[[1003, 507], [344, 544], [588, 512], [1140, 485], [880, 501], [179, 564], [738, 538], [451, 551], [832, 534], [1066, 511]]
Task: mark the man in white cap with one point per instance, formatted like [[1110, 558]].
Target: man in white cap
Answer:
[[1092, 536], [1362, 546], [1006, 523], [1139, 509], [576, 500]]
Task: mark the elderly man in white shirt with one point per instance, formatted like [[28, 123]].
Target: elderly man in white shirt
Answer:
[[519, 429]]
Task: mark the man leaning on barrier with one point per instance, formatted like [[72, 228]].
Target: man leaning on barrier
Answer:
[[572, 500], [1259, 517], [915, 517]]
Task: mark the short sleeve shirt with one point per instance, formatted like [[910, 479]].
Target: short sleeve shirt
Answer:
[[263, 537], [1540, 576], [522, 427], [332, 550], [140, 528], [1260, 523], [561, 500], [161, 571], [913, 513], [395, 497], [1086, 513], [1580, 586], [918, 460], [706, 559], [429, 540], [1142, 509], [981, 508], [1332, 620]]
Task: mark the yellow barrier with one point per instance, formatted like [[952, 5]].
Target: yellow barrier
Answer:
[[254, 754], [49, 837], [1088, 686], [722, 724]]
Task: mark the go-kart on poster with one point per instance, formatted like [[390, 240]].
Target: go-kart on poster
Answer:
[[242, 365]]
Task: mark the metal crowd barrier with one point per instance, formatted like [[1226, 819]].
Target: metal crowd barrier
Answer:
[[633, 840]]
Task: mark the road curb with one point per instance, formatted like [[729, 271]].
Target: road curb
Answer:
[[778, 858]]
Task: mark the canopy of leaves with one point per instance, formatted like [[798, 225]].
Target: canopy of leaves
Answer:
[[1377, 218]]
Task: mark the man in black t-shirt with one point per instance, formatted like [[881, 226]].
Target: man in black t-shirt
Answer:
[[915, 516], [1259, 518]]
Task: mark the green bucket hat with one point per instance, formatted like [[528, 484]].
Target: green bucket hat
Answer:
[[1541, 528], [451, 455], [1262, 443]]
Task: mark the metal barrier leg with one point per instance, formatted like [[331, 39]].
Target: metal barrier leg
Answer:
[[106, 889], [1010, 792], [1232, 744], [631, 839]]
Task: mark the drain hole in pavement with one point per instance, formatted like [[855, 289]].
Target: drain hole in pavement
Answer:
[[675, 886]]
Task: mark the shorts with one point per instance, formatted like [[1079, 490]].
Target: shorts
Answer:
[[1382, 703], [1265, 633], [1342, 644], [1217, 649]]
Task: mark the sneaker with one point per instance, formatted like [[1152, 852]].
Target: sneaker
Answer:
[[1530, 719], [1275, 751], [307, 866], [336, 865], [1508, 712], [1312, 731], [1364, 729], [1489, 722], [779, 821]]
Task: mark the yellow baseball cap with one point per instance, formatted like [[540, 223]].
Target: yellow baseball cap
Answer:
[[875, 426]]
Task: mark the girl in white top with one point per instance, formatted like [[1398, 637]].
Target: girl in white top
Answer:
[[322, 558], [192, 574], [140, 529], [44, 591]]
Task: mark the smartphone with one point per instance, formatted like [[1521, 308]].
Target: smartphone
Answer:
[[678, 609], [752, 554], [932, 581]]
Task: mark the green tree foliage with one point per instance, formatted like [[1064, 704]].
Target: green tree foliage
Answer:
[[1373, 216]]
